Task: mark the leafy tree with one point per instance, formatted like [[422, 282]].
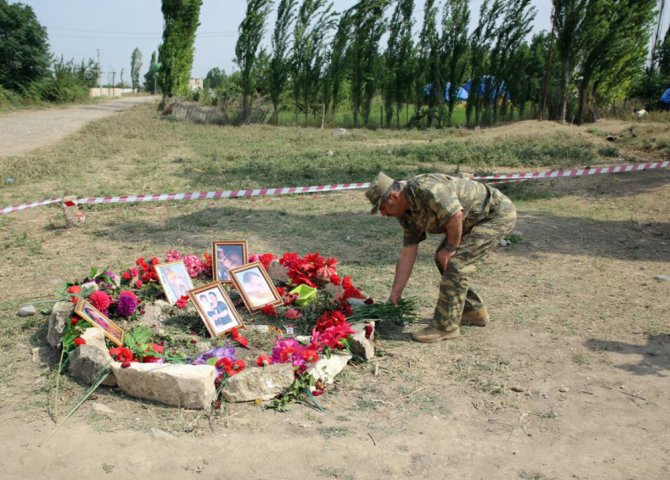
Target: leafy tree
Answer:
[[279, 64], [250, 35], [181, 18], [135, 66], [368, 25], [514, 26], [455, 20], [571, 25], [398, 60], [313, 24], [151, 77], [663, 55], [480, 42], [615, 48], [214, 78], [24, 47], [430, 82], [337, 61]]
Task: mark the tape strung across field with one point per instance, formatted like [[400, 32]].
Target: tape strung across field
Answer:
[[260, 192]]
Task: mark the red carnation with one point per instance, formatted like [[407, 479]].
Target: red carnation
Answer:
[[79, 341], [263, 360], [269, 310]]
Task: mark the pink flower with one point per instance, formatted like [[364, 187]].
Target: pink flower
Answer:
[[100, 300], [292, 314]]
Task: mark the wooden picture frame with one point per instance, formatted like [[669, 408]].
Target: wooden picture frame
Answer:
[[174, 279], [227, 255], [255, 286], [92, 315], [215, 308]]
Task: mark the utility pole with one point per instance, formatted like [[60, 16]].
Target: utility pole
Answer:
[[113, 84]]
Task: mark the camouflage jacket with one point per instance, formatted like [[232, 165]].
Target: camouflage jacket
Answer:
[[435, 198]]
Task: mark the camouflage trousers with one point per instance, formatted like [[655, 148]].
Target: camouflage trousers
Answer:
[[456, 294]]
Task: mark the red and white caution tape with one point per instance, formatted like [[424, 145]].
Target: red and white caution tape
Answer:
[[259, 192]]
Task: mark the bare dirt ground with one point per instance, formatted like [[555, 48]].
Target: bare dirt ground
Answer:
[[569, 381], [21, 132]]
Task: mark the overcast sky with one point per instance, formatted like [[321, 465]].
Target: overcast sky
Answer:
[[79, 29]]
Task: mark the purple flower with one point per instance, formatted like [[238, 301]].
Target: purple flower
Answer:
[[217, 354], [127, 303]]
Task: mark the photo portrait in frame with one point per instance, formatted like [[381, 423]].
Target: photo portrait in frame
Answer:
[[227, 255], [174, 279], [215, 308], [92, 315], [255, 286]]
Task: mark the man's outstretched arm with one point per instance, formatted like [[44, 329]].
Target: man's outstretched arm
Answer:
[[403, 270]]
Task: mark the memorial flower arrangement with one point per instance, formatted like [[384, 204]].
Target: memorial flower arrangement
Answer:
[[316, 303]]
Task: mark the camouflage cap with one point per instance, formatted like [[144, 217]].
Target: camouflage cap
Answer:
[[379, 186]]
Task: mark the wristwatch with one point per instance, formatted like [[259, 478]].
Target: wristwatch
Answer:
[[449, 247]]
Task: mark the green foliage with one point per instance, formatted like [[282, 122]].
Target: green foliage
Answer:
[[454, 49], [250, 34], [69, 82], [151, 77], [181, 18], [313, 24], [368, 25], [24, 47], [135, 66], [399, 61], [279, 65]]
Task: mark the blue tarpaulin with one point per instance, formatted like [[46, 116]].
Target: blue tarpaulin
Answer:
[[665, 98]]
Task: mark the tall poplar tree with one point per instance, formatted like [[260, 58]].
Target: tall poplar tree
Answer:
[[399, 60], [455, 20], [135, 66], [430, 83], [313, 25], [250, 35], [368, 25], [336, 68], [279, 65], [615, 49], [181, 18]]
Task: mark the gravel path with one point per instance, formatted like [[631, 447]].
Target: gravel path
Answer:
[[21, 132]]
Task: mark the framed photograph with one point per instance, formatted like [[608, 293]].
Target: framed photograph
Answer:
[[215, 308], [255, 286], [91, 314], [174, 279], [227, 255]]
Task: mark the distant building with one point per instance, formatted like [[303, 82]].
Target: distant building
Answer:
[[196, 84]]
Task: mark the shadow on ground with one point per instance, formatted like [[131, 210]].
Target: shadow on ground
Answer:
[[655, 354]]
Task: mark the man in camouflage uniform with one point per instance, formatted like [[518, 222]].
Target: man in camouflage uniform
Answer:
[[474, 217]]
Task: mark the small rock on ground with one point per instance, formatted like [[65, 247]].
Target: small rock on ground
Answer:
[[26, 311]]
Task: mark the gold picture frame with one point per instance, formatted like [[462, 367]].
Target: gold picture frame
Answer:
[[255, 286], [94, 316], [215, 308], [174, 279], [227, 255]]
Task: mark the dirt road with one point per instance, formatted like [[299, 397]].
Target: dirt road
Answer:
[[21, 132]]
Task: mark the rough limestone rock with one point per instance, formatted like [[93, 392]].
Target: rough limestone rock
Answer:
[[326, 369], [26, 311], [153, 315], [360, 345], [58, 319], [259, 383], [186, 386], [95, 337], [87, 361]]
